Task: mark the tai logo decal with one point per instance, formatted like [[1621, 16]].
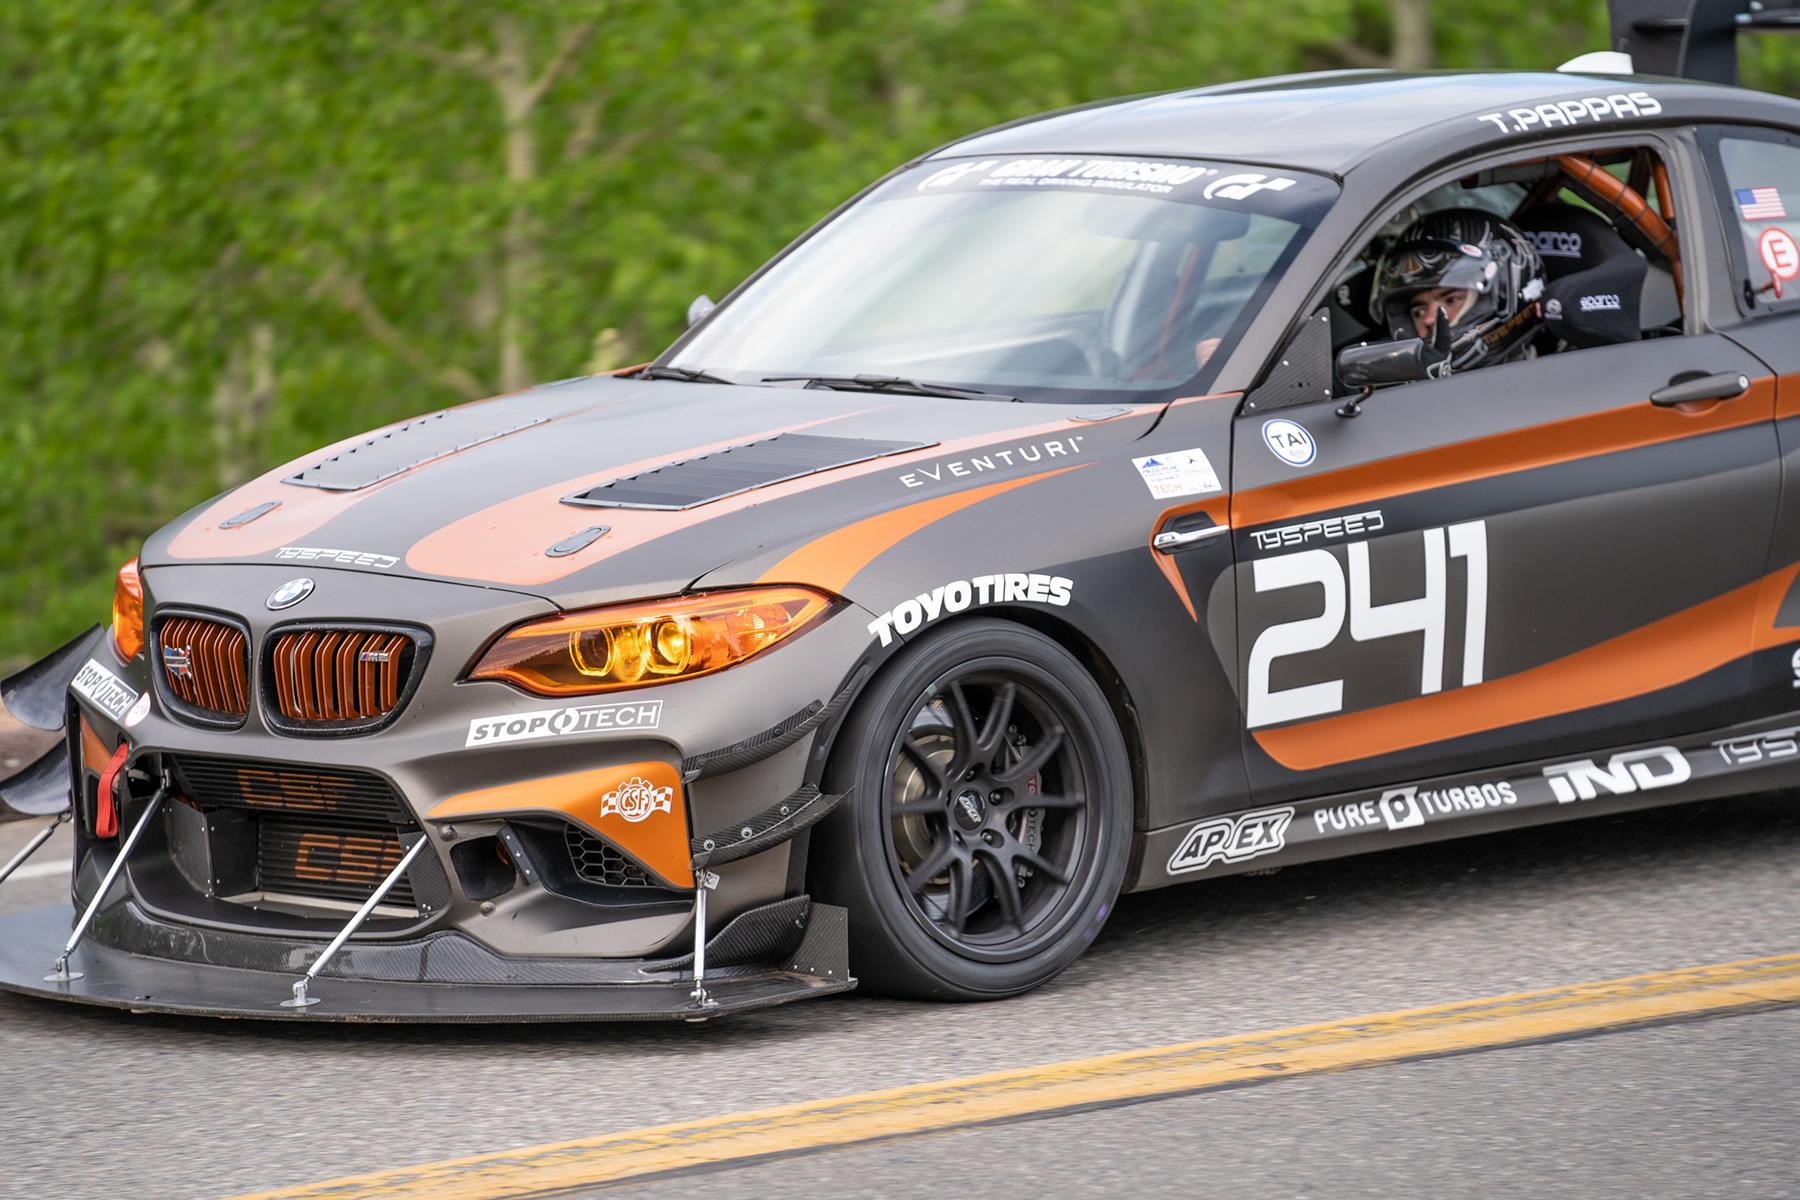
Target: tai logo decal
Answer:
[[636, 799], [1289, 441], [290, 593], [962, 594], [1624, 773], [110, 694], [1243, 186], [563, 722], [1231, 839]]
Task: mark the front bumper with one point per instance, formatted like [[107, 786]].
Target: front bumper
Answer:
[[790, 950]]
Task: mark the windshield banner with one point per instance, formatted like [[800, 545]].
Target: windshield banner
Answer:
[[1291, 195]]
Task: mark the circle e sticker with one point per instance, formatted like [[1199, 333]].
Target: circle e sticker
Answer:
[[1779, 253], [1289, 441]]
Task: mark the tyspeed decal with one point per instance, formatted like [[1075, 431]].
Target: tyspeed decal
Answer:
[[992, 460], [342, 558], [563, 722], [1613, 106], [960, 595], [1325, 529], [636, 799], [106, 691], [1754, 748], [1231, 839], [1289, 441], [1624, 773], [1177, 473]]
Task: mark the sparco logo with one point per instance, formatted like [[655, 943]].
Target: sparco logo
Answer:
[[1231, 839], [1556, 243], [1601, 302], [636, 799], [1631, 771], [563, 722], [1240, 187]]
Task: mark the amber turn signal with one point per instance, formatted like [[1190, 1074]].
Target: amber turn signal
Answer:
[[648, 642], [128, 612]]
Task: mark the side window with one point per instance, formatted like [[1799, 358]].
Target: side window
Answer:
[[1757, 177]]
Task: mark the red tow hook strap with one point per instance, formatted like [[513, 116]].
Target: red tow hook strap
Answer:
[[106, 813]]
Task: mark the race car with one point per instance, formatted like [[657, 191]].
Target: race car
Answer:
[[1070, 513]]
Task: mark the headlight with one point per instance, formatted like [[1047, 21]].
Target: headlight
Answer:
[[652, 641], [128, 612]]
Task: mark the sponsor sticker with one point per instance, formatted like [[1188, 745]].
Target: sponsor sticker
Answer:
[[992, 460], [1556, 243], [342, 558], [1759, 203], [138, 712], [1624, 773], [1411, 807], [1289, 441], [1091, 174], [1177, 473], [1601, 302], [1284, 537], [1780, 255], [636, 799], [962, 594], [1755, 748], [1232, 839], [1589, 110], [1245, 185], [563, 722], [106, 691]]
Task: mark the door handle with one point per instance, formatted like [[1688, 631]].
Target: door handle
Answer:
[[1692, 386], [1171, 541]]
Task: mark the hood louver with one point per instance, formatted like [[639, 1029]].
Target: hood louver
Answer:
[[407, 446], [736, 469]]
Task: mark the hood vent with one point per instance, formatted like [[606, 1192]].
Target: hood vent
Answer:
[[736, 469], [406, 446]]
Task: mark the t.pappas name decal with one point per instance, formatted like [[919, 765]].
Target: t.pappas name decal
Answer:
[[963, 594]]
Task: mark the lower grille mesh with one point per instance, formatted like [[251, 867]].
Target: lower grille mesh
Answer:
[[598, 862]]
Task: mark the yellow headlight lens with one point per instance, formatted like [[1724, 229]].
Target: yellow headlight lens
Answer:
[[652, 641], [128, 611]]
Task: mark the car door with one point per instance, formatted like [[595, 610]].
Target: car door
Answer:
[[1525, 560]]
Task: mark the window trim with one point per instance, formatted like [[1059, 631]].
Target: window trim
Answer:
[[1742, 280]]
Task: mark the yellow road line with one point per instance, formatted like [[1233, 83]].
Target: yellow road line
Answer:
[[1134, 1075]]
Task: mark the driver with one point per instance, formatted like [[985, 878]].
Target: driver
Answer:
[[1479, 270]]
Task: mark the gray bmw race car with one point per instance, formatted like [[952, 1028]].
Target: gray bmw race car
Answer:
[[1072, 512]]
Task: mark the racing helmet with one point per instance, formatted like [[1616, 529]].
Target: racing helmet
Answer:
[[1476, 251]]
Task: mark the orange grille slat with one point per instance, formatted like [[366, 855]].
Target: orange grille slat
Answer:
[[205, 666], [339, 675]]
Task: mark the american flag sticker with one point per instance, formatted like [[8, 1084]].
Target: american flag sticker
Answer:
[[1760, 203]]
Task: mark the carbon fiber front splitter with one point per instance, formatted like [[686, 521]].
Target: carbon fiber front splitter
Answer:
[[116, 978]]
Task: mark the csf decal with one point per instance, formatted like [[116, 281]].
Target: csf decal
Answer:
[[1232, 839], [1563, 114], [963, 594]]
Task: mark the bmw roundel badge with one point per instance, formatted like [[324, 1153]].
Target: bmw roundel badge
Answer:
[[290, 593]]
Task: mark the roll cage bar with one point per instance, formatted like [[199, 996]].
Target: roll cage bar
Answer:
[[1694, 39]]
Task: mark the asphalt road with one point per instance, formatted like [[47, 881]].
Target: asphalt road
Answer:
[[98, 1104]]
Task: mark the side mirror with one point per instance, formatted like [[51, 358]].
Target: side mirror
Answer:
[[1382, 363], [698, 308]]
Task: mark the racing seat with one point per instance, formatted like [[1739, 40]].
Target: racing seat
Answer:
[[1595, 282]]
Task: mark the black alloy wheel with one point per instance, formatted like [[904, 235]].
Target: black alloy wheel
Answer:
[[987, 836]]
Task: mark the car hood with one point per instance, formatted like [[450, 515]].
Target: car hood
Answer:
[[491, 493]]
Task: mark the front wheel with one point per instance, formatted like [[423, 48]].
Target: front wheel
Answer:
[[987, 835]]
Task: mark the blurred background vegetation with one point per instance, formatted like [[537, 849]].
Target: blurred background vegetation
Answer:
[[231, 231]]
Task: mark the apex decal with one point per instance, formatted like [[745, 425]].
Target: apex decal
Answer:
[[1232, 839], [962, 594]]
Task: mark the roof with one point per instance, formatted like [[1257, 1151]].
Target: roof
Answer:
[[1327, 121]]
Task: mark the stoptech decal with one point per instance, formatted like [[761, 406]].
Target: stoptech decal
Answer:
[[1023, 454], [106, 691], [1613, 106], [963, 594], [1425, 616], [564, 722], [1349, 525], [1626, 772], [1232, 839]]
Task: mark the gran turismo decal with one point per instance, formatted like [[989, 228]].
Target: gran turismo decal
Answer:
[[564, 722], [106, 691], [1178, 473], [1427, 616], [993, 460], [1410, 807], [1102, 174], [1624, 773], [1750, 749], [1328, 529], [960, 595], [1614, 106], [636, 799], [1289, 441], [1245, 185], [342, 558], [1232, 839]]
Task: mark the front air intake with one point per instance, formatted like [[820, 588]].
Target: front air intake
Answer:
[[339, 679], [204, 666]]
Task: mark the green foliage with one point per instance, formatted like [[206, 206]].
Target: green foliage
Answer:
[[230, 232]]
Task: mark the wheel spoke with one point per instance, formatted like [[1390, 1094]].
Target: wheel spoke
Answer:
[[925, 806], [1006, 891], [993, 730], [963, 718], [1051, 800], [962, 888], [934, 775], [1042, 866], [921, 876], [1034, 759]]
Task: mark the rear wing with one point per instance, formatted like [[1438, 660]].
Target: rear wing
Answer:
[[1694, 39]]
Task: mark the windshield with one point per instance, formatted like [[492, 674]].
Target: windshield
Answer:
[[1047, 278]]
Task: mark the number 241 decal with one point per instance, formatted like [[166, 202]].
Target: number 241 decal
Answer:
[[1426, 615]]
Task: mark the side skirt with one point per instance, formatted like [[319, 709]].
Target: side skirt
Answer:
[[1744, 758]]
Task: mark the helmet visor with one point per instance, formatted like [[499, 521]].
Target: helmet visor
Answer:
[[1435, 263]]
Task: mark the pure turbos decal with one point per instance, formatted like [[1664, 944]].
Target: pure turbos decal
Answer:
[[960, 595]]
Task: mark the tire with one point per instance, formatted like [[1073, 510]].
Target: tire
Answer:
[[919, 857]]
